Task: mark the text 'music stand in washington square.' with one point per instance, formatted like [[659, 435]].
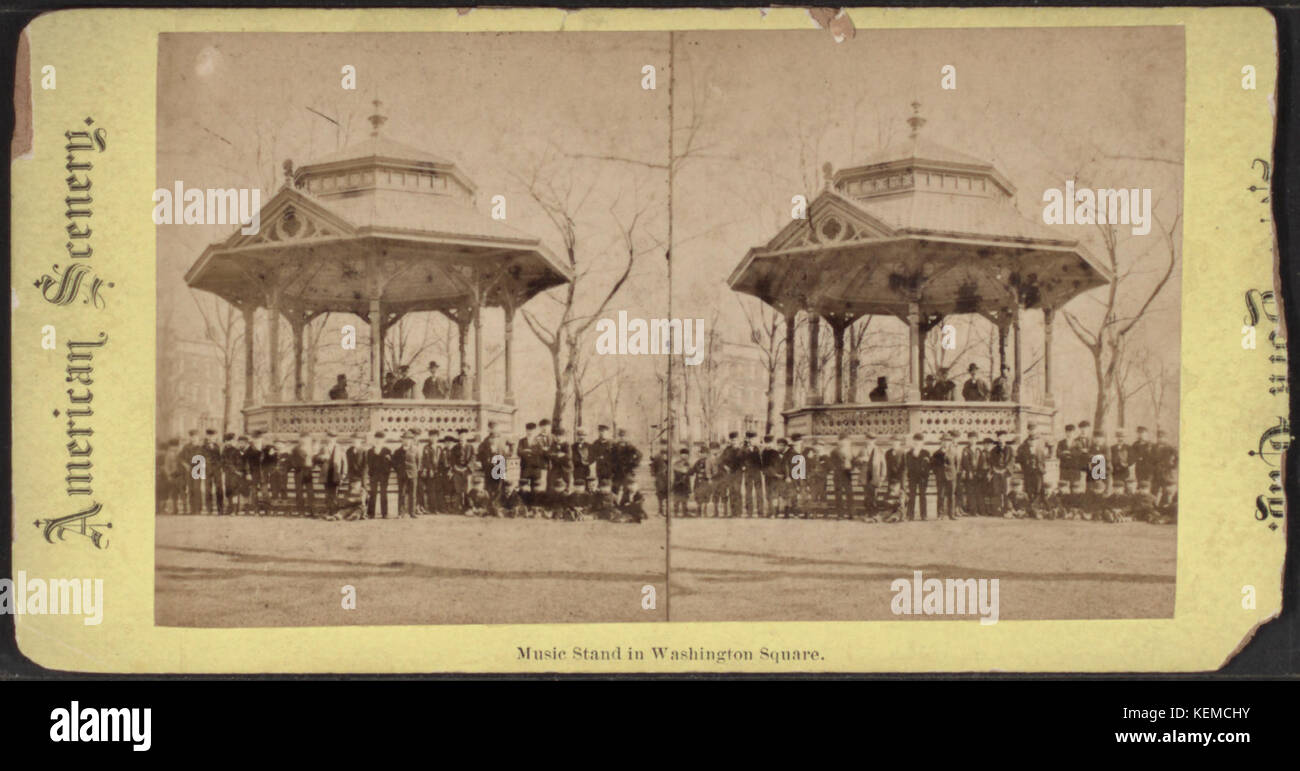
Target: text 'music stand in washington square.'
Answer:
[[380, 230], [920, 232]]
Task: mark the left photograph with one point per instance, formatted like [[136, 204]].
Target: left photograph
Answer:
[[381, 263]]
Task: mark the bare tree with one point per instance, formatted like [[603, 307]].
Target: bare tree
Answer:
[[554, 184], [1107, 336], [224, 330], [767, 336]]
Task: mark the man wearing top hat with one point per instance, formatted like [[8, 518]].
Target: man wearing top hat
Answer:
[[1000, 462], [967, 466], [378, 466], [406, 466], [975, 389], [1032, 456], [426, 493], [1141, 453], [529, 471], [918, 478], [602, 456], [404, 386], [258, 471], [731, 469], [232, 464], [753, 475], [560, 457], [944, 465], [881, 392], [434, 387], [213, 494]]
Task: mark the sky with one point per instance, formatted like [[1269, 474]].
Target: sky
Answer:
[[769, 108], [233, 107], [1040, 104]]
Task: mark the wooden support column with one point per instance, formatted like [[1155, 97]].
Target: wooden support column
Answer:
[[790, 318], [814, 356], [913, 359], [249, 315], [462, 328], [837, 327], [1049, 397], [1015, 381], [296, 323], [478, 351], [1002, 344], [376, 347], [274, 392], [509, 312]]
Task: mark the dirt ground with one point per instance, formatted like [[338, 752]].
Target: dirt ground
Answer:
[[803, 570], [278, 571], [287, 571]]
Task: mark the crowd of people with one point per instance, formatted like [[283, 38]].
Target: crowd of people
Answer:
[[873, 479], [890, 479], [438, 472]]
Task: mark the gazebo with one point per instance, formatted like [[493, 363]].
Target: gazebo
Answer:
[[920, 232], [378, 230]]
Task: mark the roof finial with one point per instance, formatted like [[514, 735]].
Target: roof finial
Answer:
[[376, 119], [916, 121]]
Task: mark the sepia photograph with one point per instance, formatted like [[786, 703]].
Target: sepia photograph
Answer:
[[382, 260], [940, 276]]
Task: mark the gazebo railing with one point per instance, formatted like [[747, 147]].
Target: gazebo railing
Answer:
[[371, 415], [904, 419]]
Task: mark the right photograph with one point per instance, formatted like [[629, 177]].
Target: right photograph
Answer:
[[940, 277]]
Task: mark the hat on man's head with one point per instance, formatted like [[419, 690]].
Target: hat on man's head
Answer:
[[379, 434], [734, 435], [433, 365], [1084, 424], [714, 446], [462, 431], [971, 434], [767, 438], [973, 367], [602, 427], [544, 422], [919, 437], [1141, 429], [881, 380], [243, 437], [796, 437], [750, 434], [530, 426], [230, 435], [782, 440], [211, 432], [580, 432], [1070, 427]]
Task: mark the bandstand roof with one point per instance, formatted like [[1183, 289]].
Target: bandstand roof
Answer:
[[377, 217], [917, 221]]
